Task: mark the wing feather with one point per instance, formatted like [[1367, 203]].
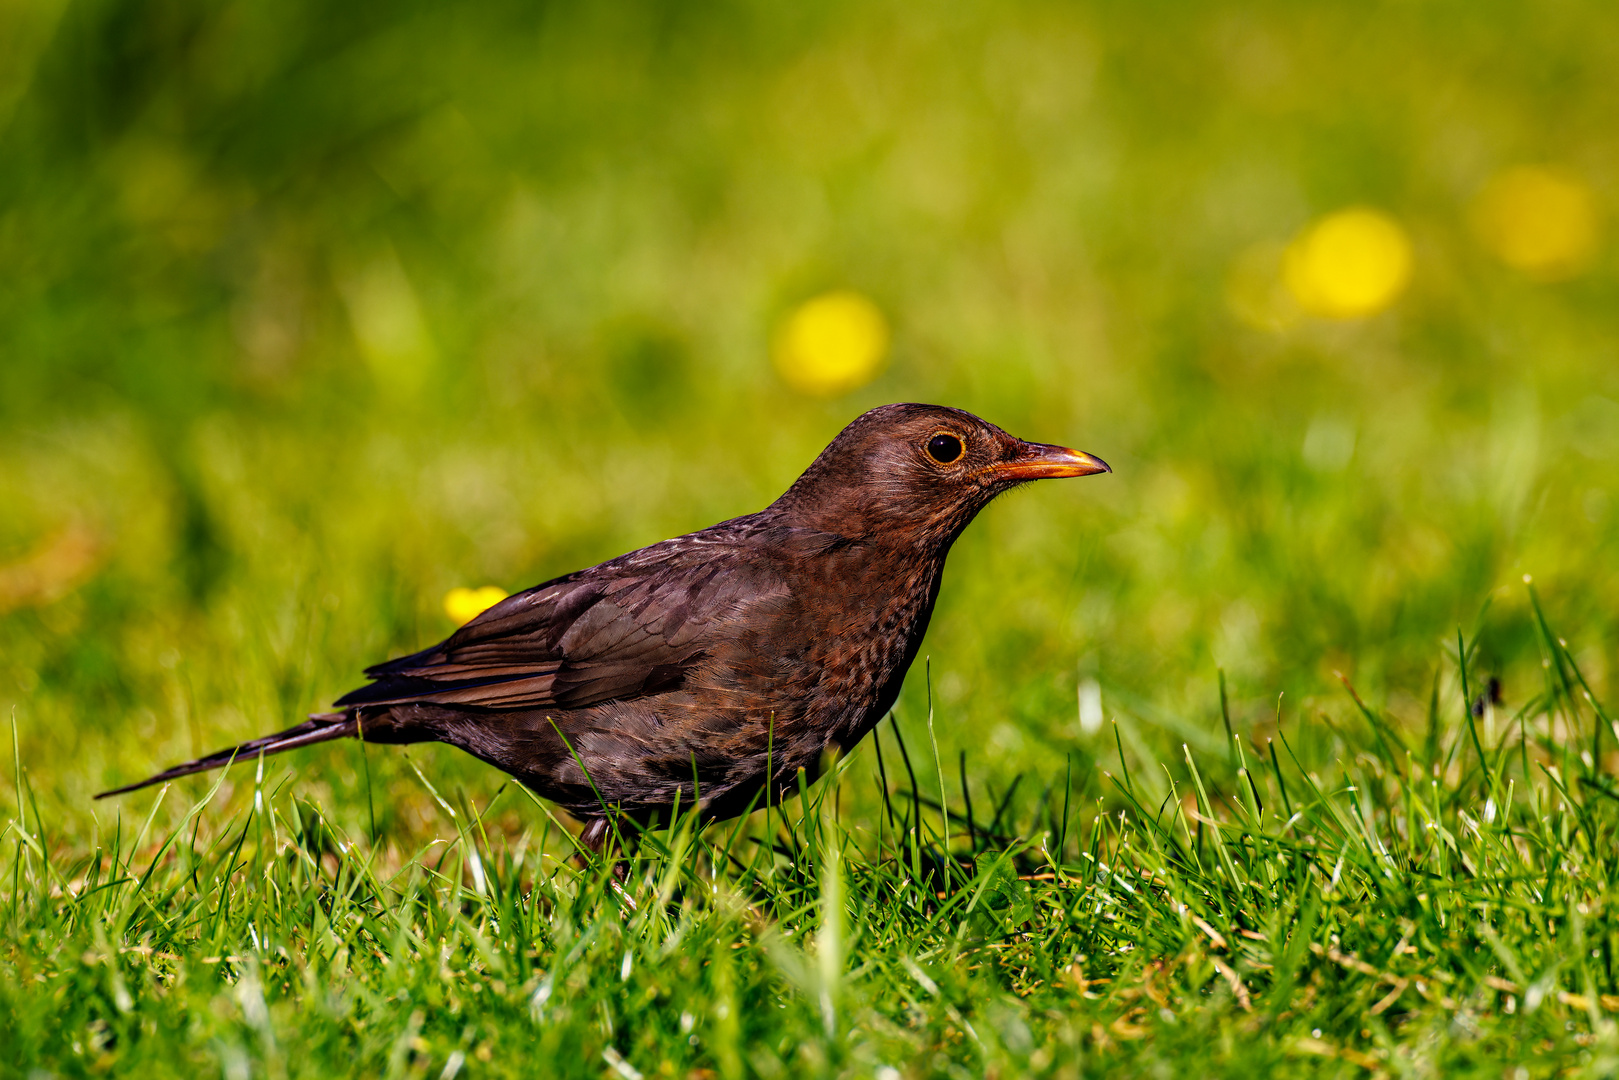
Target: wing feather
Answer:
[[630, 627]]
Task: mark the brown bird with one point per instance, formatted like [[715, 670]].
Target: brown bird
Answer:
[[716, 663]]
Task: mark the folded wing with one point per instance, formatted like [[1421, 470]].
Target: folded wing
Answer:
[[628, 628]]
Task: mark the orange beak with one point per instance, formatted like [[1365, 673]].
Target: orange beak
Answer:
[[1042, 461]]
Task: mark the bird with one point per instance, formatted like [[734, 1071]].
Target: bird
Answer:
[[711, 667]]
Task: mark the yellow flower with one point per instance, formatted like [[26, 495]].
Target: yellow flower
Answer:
[[463, 604], [832, 344], [1538, 220], [1350, 264]]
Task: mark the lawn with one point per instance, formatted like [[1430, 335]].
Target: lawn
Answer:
[[1286, 749]]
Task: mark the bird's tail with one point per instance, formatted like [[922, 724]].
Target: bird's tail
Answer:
[[318, 728]]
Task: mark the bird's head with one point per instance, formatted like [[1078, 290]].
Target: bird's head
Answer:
[[919, 474]]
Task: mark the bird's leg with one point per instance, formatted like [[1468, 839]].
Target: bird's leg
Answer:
[[596, 839], [594, 836]]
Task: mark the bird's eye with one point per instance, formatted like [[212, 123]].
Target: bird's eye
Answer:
[[944, 448]]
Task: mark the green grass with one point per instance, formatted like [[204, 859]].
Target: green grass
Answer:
[[221, 497], [1442, 908]]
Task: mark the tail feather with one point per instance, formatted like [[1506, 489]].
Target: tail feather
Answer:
[[318, 728]]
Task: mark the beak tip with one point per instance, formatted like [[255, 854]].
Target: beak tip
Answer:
[[1050, 462], [1080, 463]]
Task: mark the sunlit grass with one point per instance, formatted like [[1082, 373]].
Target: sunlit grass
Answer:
[[1424, 898]]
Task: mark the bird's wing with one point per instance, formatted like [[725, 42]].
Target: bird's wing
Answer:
[[634, 626]]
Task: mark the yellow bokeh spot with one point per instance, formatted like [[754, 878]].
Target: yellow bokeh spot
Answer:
[[832, 344], [463, 604], [1350, 264], [1538, 220]]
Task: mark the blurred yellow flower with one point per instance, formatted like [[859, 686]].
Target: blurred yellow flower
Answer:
[[463, 604], [832, 344], [1538, 220], [1349, 264]]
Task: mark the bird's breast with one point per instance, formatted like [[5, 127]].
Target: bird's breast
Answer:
[[871, 622], [814, 665]]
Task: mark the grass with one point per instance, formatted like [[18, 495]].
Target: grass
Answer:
[[1438, 902], [310, 314]]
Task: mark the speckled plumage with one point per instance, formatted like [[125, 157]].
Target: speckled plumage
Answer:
[[766, 638]]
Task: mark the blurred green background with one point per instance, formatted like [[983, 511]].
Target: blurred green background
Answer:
[[312, 313]]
